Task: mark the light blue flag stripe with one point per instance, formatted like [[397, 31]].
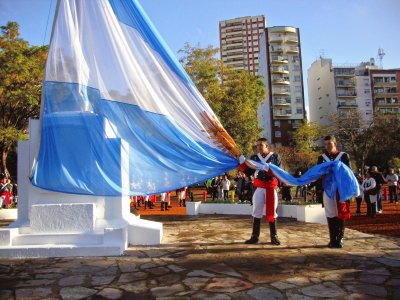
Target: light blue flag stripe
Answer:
[[120, 114], [337, 178], [82, 160]]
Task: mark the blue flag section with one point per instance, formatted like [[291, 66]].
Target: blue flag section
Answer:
[[119, 115], [337, 177]]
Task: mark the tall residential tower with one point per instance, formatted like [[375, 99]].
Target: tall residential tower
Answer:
[[274, 53], [240, 42]]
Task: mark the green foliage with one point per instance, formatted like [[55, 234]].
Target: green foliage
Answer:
[[21, 74], [233, 95], [306, 136], [297, 160], [374, 143], [394, 163], [385, 141]]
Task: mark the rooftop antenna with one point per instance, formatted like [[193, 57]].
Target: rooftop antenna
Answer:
[[381, 54]]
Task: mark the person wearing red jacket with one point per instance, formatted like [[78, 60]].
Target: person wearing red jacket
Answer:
[[265, 193]]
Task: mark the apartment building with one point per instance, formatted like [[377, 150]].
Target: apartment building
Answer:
[[240, 42], [338, 90], [281, 67], [385, 86], [275, 54]]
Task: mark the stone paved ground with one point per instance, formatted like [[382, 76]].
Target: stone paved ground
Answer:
[[203, 257]]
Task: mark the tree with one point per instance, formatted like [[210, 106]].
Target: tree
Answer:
[[354, 136], [306, 136], [373, 143], [385, 140], [21, 73], [233, 95]]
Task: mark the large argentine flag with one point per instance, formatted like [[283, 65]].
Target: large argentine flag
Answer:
[[119, 114]]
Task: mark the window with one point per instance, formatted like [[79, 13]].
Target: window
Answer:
[[297, 68], [278, 134], [296, 78], [277, 123], [299, 100], [367, 91], [299, 110], [297, 89]]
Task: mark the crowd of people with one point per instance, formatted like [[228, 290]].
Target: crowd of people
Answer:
[[371, 183]]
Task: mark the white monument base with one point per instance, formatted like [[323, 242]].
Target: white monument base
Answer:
[[52, 224]]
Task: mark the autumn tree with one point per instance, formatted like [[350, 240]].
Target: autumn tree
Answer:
[[21, 74], [384, 140], [305, 137], [233, 95]]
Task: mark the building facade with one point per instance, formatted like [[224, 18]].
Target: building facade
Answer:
[[275, 54], [240, 42], [285, 88], [385, 86], [339, 90]]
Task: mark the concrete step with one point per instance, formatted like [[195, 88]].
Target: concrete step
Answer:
[[57, 239], [31, 251]]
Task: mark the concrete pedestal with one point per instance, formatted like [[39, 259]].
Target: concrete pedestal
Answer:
[[52, 224]]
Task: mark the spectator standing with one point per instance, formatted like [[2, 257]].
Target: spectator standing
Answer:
[[286, 192], [379, 179], [299, 188], [215, 187], [360, 197], [370, 194], [392, 180], [226, 184]]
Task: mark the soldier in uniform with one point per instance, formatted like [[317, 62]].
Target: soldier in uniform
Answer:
[[265, 193], [336, 212]]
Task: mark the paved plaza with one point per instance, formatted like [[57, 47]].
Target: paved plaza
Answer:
[[203, 257]]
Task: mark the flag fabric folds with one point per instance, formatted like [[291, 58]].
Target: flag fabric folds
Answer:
[[337, 177], [119, 115]]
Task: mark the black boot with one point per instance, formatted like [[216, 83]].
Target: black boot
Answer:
[[274, 234], [256, 232], [331, 227], [341, 228], [180, 202], [184, 202], [373, 210], [162, 205], [338, 233], [145, 204], [166, 206]]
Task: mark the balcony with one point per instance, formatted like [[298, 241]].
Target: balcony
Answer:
[[282, 29], [347, 84], [282, 102], [280, 92], [345, 73], [387, 103], [280, 81], [349, 104], [282, 113], [276, 40], [279, 60], [279, 70], [385, 84], [347, 94], [292, 50], [275, 49], [291, 40]]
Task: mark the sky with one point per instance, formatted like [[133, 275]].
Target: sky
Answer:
[[347, 31]]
